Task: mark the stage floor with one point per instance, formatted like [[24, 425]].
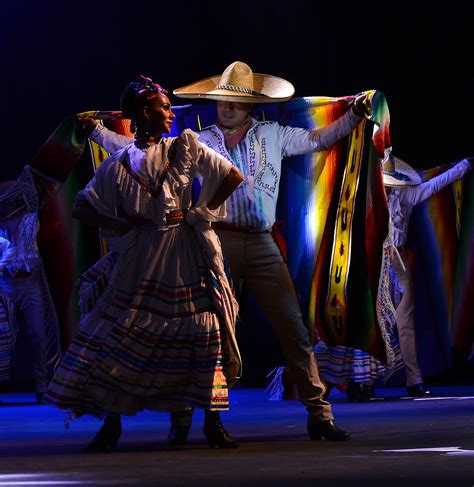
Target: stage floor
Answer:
[[395, 442]]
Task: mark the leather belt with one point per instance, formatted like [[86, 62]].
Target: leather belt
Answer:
[[176, 216]]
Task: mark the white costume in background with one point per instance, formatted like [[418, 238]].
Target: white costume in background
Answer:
[[401, 201]]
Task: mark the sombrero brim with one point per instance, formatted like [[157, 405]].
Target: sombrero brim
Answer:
[[404, 175], [271, 89], [389, 180]]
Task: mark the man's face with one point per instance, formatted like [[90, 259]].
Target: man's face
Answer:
[[231, 114]]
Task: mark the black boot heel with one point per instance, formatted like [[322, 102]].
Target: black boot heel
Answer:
[[215, 433], [107, 437]]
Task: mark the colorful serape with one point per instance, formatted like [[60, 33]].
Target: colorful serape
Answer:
[[337, 217], [441, 237], [58, 158], [462, 327]]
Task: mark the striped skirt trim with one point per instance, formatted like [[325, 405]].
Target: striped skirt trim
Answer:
[[150, 366], [338, 364]]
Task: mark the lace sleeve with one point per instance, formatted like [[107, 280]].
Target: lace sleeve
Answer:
[[102, 191]]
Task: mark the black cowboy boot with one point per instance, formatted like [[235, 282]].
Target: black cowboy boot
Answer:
[[418, 390], [180, 425], [353, 391], [368, 392], [215, 433], [327, 430], [107, 437]]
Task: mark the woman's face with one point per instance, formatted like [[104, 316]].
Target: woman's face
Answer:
[[159, 115], [232, 114]]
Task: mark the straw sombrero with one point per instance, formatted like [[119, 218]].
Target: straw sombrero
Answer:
[[239, 84], [398, 173]]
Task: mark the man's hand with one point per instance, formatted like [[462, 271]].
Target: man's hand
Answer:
[[362, 107], [86, 123]]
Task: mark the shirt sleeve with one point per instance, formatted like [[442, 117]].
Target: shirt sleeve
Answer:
[[297, 141], [109, 140], [212, 168], [423, 191]]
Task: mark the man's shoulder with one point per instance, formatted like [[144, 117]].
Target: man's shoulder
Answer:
[[257, 124], [266, 125], [210, 135], [208, 130]]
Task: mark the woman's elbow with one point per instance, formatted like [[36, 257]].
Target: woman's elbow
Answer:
[[76, 211], [81, 209]]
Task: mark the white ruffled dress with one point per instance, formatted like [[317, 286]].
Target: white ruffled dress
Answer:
[[157, 330]]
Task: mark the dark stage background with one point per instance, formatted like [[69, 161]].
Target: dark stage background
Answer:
[[61, 57]]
